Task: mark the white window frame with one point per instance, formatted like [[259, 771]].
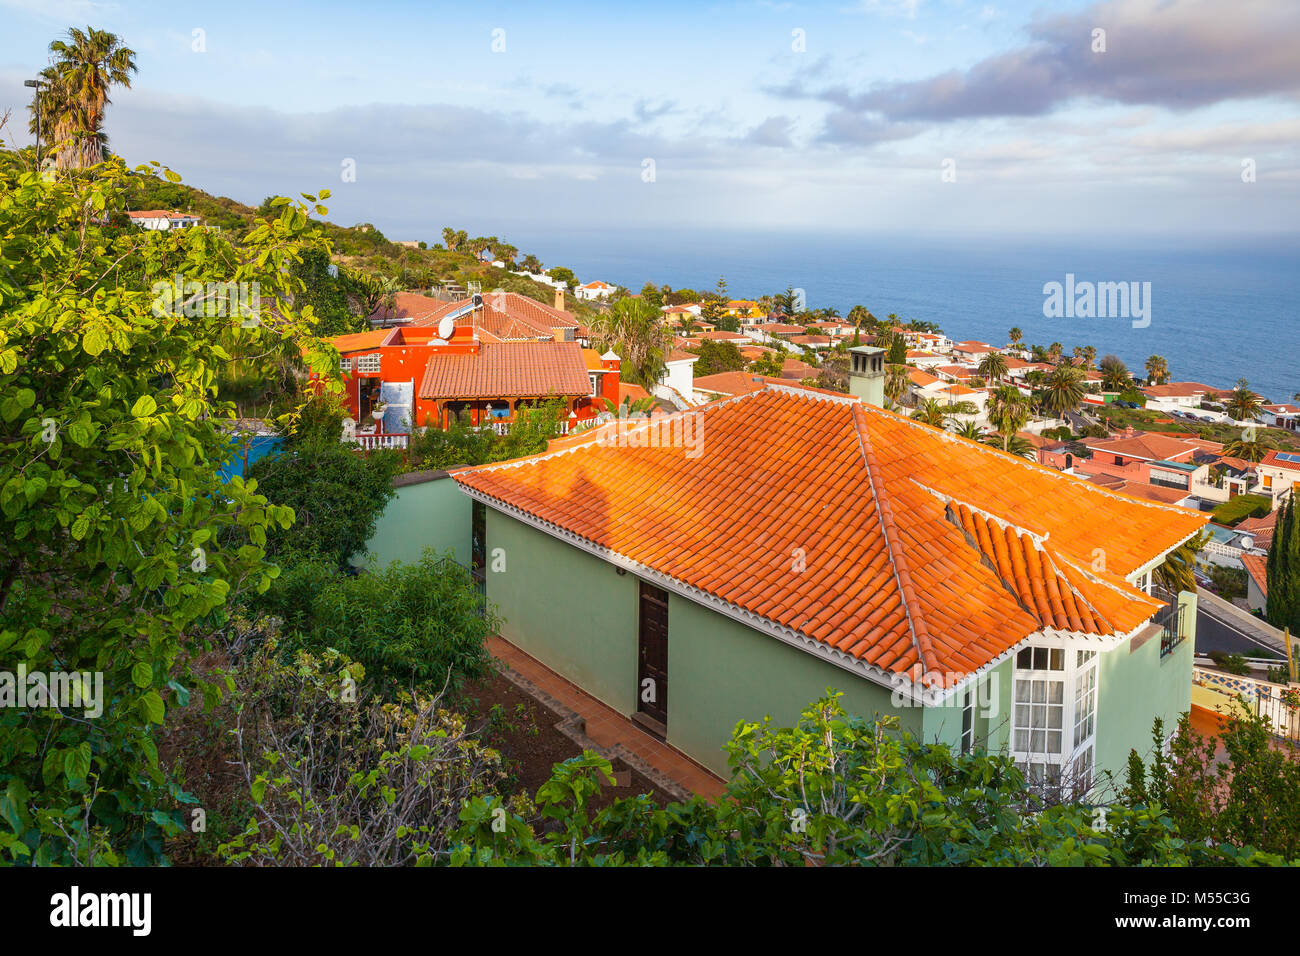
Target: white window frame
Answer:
[[345, 364], [594, 378], [1079, 677]]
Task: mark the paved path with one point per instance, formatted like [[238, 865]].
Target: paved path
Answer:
[[609, 730]]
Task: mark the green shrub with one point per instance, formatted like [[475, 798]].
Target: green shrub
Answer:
[[337, 496], [424, 622]]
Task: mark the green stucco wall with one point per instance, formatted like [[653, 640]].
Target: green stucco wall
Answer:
[[1134, 686], [424, 514], [569, 609], [721, 671]]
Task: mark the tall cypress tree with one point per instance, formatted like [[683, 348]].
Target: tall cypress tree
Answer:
[[1283, 571]]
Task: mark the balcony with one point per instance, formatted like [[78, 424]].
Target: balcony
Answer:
[[1170, 617], [383, 440]]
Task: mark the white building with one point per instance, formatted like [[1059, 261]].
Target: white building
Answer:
[[161, 220], [594, 290]]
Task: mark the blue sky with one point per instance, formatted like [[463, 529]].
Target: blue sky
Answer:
[[831, 117]]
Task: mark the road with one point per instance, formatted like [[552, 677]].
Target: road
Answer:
[[1212, 634]]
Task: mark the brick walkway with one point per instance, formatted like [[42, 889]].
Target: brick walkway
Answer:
[[612, 733]]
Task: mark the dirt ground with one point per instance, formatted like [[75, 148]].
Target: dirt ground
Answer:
[[524, 731]]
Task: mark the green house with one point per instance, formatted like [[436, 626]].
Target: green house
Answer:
[[736, 560]]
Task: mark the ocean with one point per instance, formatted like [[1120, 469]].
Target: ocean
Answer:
[[1219, 312]]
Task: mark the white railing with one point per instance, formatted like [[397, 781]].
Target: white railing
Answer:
[[383, 440], [1273, 701], [503, 428]]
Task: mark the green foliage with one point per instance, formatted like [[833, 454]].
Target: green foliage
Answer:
[[330, 298], [1245, 803], [1283, 571], [1237, 509], [1231, 663], [337, 496], [718, 357], [339, 778], [832, 790], [423, 622], [462, 444], [115, 548], [1229, 583]]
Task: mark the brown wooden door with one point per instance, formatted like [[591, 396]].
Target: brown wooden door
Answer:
[[652, 669]]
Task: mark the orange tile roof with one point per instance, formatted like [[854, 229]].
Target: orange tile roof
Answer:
[[1257, 567], [631, 392], [893, 581], [360, 341], [1149, 445], [508, 370], [1179, 389], [1261, 529], [921, 379], [730, 383], [1274, 460]]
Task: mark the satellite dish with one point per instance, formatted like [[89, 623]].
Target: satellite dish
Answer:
[[447, 327], [477, 300]]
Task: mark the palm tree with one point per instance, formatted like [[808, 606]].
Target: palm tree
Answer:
[[1054, 352], [1012, 445], [1114, 373], [1089, 355], [633, 329], [1176, 573], [896, 382], [931, 412], [969, 430], [1063, 390], [1008, 411], [1016, 336], [1252, 445], [449, 238], [86, 66], [993, 366], [1157, 370], [1243, 404]]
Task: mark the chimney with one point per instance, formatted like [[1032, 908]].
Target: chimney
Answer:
[[559, 298]]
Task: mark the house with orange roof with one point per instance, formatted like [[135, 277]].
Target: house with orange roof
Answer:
[[1278, 476], [595, 290], [163, 220], [972, 351], [1174, 395], [727, 574], [1285, 416], [1256, 581], [478, 361]]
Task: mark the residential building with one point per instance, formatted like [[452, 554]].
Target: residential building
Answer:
[[1281, 416], [1278, 475], [162, 220], [477, 361], [594, 290], [936, 580], [1178, 395]]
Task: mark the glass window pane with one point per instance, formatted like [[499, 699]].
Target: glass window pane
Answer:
[[1058, 659]]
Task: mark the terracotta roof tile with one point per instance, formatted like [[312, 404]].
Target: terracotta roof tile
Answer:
[[507, 370], [923, 554]]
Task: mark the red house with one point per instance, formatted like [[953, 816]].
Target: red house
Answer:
[[478, 361]]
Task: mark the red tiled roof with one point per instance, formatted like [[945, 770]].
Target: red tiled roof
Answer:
[[508, 370], [626, 390], [1149, 445], [887, 514], [1257, 567], [1273, 461], [1179, 389], [730, 383], [360, 341], [681, 355], [1261, 529], [921, 379]]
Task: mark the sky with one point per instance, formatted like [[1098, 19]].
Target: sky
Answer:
[[876, 117]]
